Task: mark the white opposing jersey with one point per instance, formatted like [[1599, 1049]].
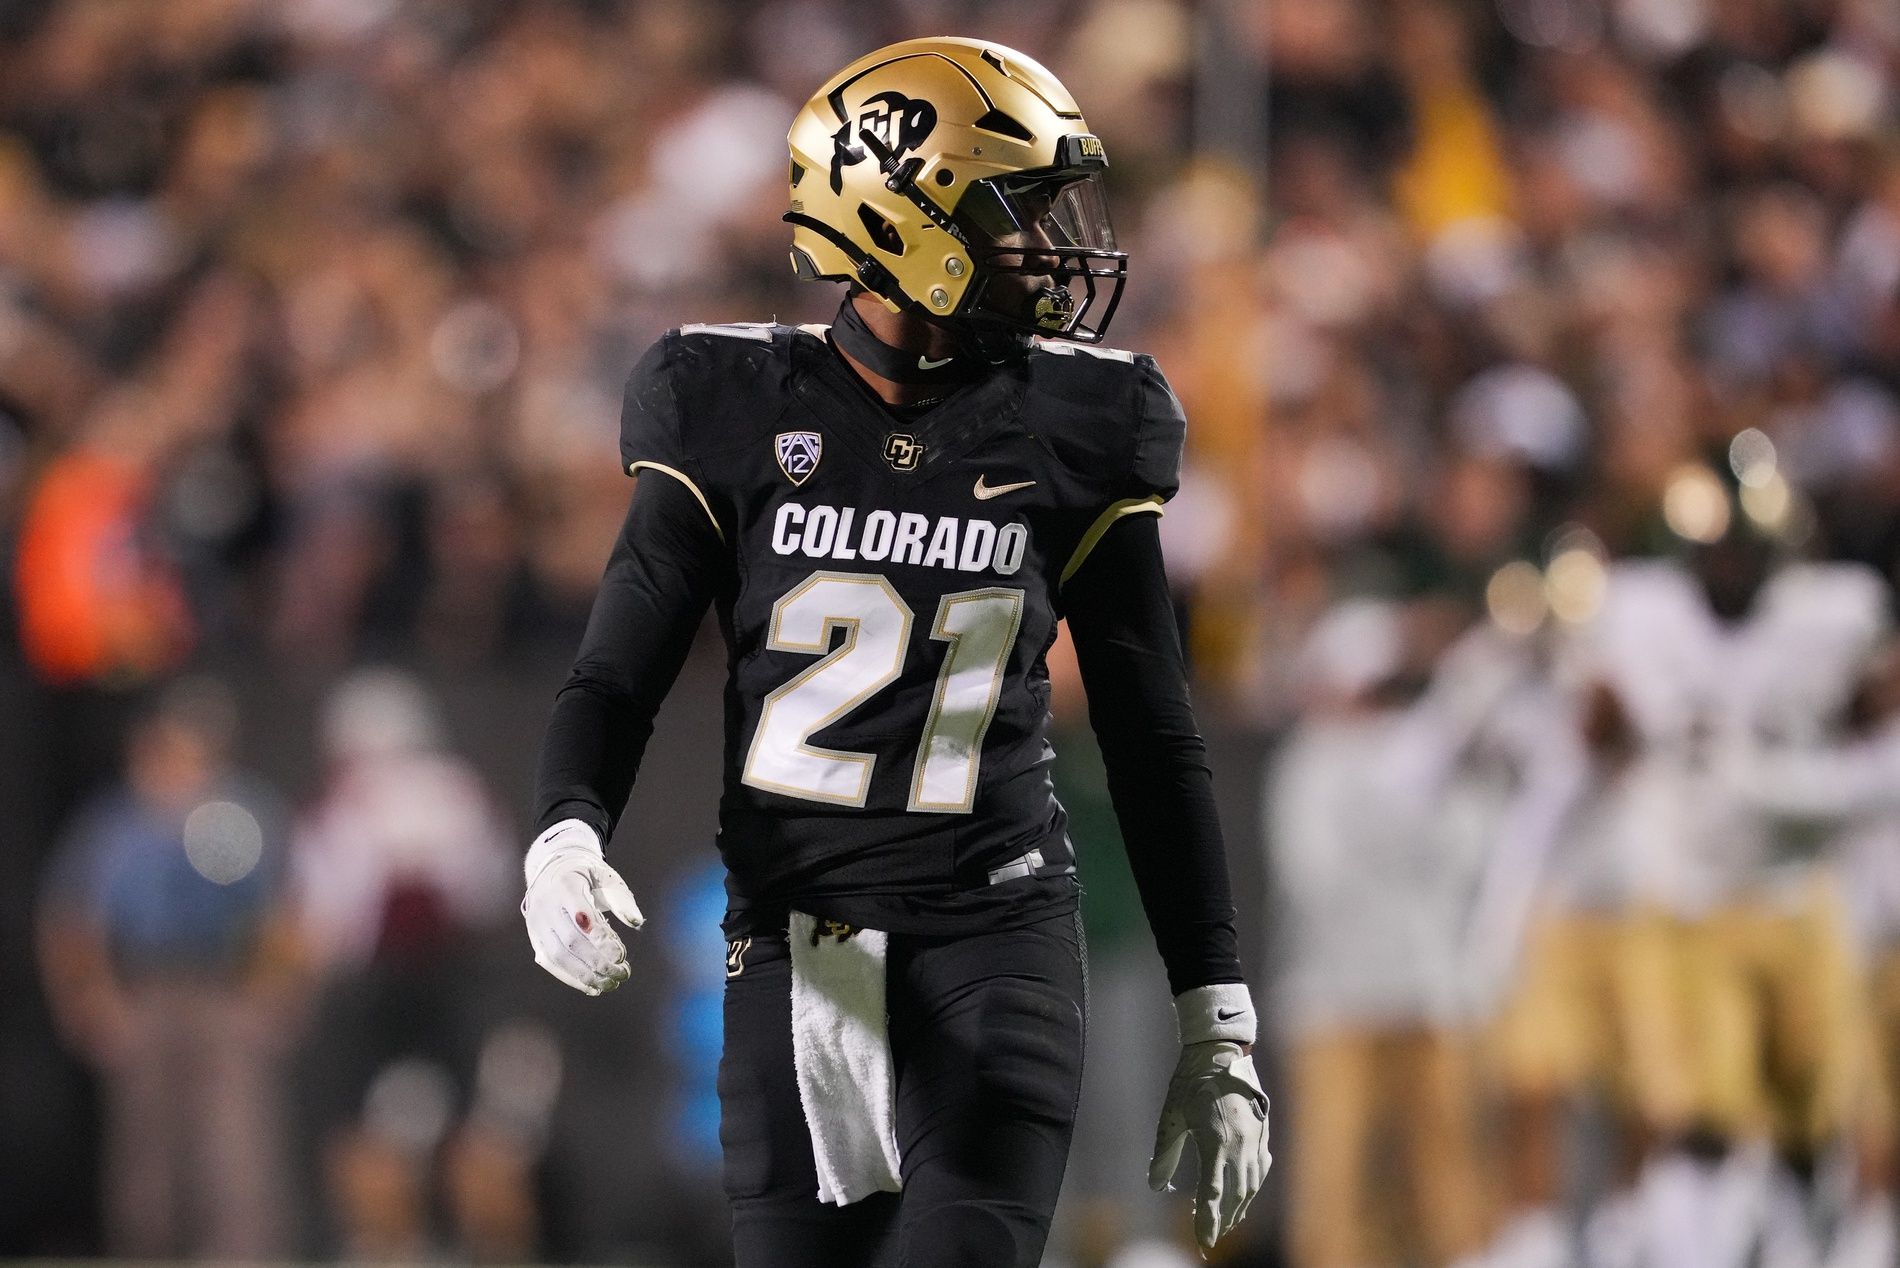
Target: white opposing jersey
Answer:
[[1701, 694], [1384, 823], [1371, 911], [1848, 793]]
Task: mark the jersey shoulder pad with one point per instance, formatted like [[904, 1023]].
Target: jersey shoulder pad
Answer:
[[698, 392], [1108, 413], [1649, 588], [1650, 607], [1646, 639], [1843, 598]]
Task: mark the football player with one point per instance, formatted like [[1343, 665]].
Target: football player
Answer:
[[1843, 792], [890, 516], [1591, 1011], [1381, 804], [1748, 977]]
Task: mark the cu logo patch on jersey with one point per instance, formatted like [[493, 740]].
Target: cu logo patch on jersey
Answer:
[[902, 451], [901, 123], [798, 453]]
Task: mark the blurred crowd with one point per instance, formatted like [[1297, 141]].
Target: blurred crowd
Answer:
[[1542, 361], [1566, 402], [190, 942]]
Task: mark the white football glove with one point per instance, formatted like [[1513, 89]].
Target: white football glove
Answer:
[[569, 887], [1215, 1097]]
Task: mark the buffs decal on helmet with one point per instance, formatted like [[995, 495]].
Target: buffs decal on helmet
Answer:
[[901, 123], [958, 178]]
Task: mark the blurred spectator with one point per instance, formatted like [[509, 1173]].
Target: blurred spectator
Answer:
[[170, 967], [425, 1103], [95, 602]]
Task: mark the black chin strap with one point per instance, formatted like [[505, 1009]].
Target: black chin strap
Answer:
[[900, 365]]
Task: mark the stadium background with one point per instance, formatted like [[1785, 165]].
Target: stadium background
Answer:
[[313, 317]]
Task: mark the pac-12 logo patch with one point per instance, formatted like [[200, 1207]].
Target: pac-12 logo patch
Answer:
[[798, 453]]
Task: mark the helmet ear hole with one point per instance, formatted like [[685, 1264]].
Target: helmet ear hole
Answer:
[[883, 233]]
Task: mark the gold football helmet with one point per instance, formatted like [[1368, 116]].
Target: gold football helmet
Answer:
[[958, 177]]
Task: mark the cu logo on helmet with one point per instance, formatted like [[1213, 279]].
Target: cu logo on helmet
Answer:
[[901, 123]]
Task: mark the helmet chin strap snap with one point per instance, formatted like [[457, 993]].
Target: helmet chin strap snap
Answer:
[[851, 335]]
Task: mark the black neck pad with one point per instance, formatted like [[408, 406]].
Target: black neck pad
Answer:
[[900, 365]]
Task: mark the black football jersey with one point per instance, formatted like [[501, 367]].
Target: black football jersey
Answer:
[[895, 587]]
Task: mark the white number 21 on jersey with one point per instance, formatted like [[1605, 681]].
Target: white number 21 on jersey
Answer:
[[979, 625]]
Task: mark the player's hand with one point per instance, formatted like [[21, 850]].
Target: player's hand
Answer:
[[570, 887], [1215, 1099]]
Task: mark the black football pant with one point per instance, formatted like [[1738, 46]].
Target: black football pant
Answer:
[[986, 1041]]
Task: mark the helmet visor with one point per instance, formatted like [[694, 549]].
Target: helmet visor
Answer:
[[1047, 228], [1068, 211]]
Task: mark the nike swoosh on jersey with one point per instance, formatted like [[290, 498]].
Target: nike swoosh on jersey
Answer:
[[925, 363], [984, 492]]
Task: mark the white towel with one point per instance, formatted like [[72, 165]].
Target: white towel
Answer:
[[841, 1046]]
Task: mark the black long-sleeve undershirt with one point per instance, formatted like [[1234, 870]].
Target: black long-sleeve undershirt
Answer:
[[669, 563], [1128, 648], [666, 566]]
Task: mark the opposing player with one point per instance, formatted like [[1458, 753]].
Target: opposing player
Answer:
[[890, 516], [1382, 804], [1746, 981]]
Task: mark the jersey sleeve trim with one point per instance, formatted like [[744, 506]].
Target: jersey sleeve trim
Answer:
[[1149, 505], [683, 478]]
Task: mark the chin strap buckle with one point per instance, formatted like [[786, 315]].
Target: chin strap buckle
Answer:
[[905, 176], [901, 179]]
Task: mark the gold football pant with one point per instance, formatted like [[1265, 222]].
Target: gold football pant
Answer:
[[1877, 1108], [1385, 1168], [1599, 1006], [1778, 1009]]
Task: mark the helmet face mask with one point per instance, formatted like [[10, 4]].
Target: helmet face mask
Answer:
[[957, 179]]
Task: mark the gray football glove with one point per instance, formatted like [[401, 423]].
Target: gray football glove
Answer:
[[1215, 1098]]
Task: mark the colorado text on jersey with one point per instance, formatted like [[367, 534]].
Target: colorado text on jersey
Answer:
[[967, 545]]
